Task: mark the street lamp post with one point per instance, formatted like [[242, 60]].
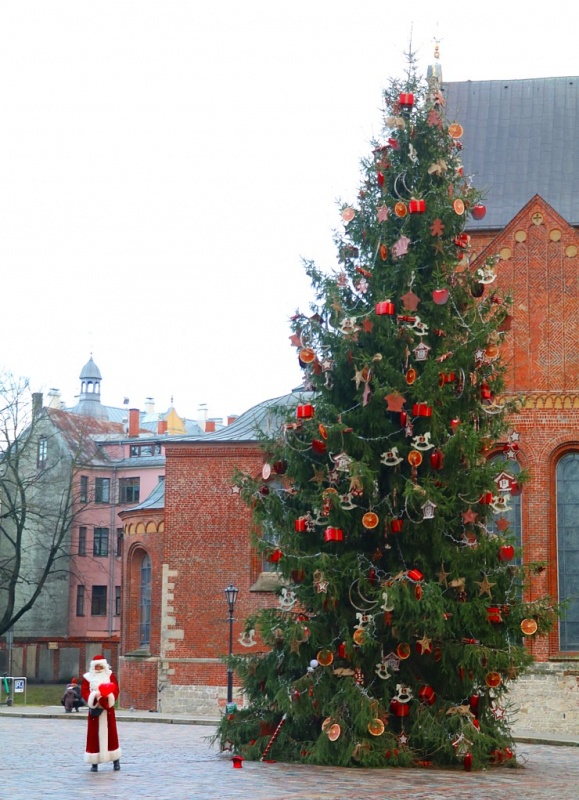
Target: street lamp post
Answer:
[[231, 597]]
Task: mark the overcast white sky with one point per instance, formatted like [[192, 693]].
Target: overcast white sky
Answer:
[[165, 165]]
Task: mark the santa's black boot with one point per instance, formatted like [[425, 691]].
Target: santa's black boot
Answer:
[[116, 765], [94, 768]]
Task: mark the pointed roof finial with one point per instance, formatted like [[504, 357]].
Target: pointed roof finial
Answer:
[[434, 71]]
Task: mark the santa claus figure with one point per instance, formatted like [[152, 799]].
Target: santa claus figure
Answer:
[[99, 691]]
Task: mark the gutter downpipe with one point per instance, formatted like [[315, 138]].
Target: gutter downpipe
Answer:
[[112, 550]]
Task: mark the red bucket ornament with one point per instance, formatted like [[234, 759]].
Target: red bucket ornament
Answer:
[[416, 206], [427, 695], [399, 709], [396, 525], [333, 535], [318, 446], [386, 307], [305, 411], [301, 525], [406, 101], [421, 410]]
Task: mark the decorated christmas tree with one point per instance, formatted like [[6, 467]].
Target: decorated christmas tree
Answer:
[[402, 613]]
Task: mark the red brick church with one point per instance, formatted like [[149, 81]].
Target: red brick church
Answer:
[[192, 536]]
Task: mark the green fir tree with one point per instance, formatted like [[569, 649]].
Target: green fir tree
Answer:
[[401, 607]]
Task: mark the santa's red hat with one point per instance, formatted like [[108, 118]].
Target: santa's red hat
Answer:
[[99, 660]]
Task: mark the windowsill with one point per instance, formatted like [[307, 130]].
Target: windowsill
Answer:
[[140, 652], [267, 582]]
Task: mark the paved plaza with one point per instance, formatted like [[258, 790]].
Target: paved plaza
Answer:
[[41, 758]]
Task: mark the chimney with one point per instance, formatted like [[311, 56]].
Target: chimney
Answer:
[[149, 405], [54, 398], [134, 421], [162, 425], [210, 426], [36, 404], [231, 418]]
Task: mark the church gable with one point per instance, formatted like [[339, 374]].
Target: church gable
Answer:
[[539, 266]]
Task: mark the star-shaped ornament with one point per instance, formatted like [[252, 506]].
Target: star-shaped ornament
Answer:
[[319, 476], [296, 340], [442, 576], [383, 213], [367, 325], [469, 517], [485, 586], [425, 644], [502, 524], [403, 739]]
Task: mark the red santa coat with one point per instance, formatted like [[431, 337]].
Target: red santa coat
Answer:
[[102, 740]]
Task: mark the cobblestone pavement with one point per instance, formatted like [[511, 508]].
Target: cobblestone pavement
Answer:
[[42, 759]]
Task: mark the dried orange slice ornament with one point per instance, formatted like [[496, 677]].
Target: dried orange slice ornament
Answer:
[[307, 355], [403, 650], [458, 206], [400, 209], [376, 727], [325, 657], [370, 520], [326, 724], [455, 130], [334, 732], [358, 636], [323, 431], [529, 626], [493, 679], [348, 214], [415, 458]]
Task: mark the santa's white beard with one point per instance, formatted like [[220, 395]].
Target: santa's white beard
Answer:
[[96, 677]]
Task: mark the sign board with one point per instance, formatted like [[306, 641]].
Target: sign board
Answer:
[[19, 685]]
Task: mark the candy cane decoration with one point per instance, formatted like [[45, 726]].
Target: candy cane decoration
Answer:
[[274, 737]]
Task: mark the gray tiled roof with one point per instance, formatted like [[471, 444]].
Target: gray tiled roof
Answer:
[[264, 418], [520, 139], [155, 500]]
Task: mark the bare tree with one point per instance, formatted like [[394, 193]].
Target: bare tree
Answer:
[[37, 499]]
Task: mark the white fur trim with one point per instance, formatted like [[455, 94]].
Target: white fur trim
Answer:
[[93, 699], [104, 755]]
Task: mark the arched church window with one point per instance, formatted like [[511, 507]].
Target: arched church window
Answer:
[[567, 477], [145, 602]]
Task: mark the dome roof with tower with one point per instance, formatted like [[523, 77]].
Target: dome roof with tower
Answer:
[[89, 402]]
